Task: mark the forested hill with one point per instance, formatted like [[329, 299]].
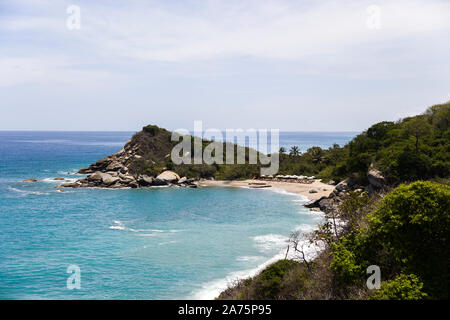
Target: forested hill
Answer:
[[409, 149]]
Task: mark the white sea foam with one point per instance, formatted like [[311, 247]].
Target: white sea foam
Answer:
[[270, 241], [281, 191], [25, 192], [119, 225], [167, 242], [305, 228], [211, 290], [71, 172], [249, 258], [52, 180]]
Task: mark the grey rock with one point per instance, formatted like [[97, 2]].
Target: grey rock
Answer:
[[108, 179], [114, 166], [375, 178], [96, 176], [100, 165], [145, 180], [342, 186], [313, 203], [133, 185], [168, 176], [126, 178], [69, 185], [324, 204], [182, 180], [313, 191], [159, 182], [100, 177]]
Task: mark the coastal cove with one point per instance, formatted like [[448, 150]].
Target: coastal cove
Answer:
[[155, 243]]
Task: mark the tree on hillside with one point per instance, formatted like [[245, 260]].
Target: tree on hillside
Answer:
[[294, 151], [440, 115], [316, 154], [418, 127], [282, 150]]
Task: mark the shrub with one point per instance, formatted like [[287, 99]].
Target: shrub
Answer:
[[403, 287], [413, 222], [269, 282], [408, 233], [153, 130], [345, 263]]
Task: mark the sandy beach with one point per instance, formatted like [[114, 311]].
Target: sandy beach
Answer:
[[323, 189]]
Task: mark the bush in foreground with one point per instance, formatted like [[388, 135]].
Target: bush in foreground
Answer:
[[408, 233]]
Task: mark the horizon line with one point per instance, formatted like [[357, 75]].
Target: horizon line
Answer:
[[56, 130]]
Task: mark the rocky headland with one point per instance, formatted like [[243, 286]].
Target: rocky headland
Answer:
[[129, 168]]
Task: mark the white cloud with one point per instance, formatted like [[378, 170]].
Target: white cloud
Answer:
[[49, 70], [262, 29], [328, 36]]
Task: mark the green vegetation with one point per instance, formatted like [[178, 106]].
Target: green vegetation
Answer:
[[410, 149], [283, 279], [408, 232], [403, 287], [407, 150], [270, 282], [153, 130]]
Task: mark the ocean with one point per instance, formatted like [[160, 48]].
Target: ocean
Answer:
[[158, 243]]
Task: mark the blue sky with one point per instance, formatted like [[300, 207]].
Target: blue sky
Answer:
[[291, 65]]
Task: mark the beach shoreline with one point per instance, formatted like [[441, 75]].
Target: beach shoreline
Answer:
[[323, 189]]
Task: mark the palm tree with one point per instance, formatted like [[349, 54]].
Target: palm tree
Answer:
[[294, 151], [316, 154]]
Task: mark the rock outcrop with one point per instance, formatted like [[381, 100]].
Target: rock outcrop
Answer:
[[328, 204], [375, 178], [112, 179], [124, 168]]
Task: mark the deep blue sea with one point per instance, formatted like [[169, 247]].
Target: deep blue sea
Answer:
[[159, 243]]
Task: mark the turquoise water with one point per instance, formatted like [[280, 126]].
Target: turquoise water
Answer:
[[159, 243]]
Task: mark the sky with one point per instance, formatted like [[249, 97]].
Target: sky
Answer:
[[311, 65]]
